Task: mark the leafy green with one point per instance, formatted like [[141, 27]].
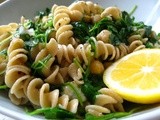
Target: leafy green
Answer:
[[46, 12], [81, 30], [40, 64], [92, 83], [89, 91], [92, 42], [107, 116], [120, 29], [36, 31], [3, 52], [133, 10], [77, 91], [101, 25], [5, 40], [76, 61], [3, 87], [54, 113], [32, 37]]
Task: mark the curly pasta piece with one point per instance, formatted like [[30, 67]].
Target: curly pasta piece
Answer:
[[83, 53], [105, 102], [2, 72], [75, 73], [107, 51], [16, 71], [61, 22], [16, 62], [121, 51], [136, 45], [8, 28], [65, 52], [39, 94], [96, 110], [50, 71], [104, 36], [82, 9], [110, 99], [114, 12]]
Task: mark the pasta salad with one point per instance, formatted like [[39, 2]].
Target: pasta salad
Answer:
[[55, 61]]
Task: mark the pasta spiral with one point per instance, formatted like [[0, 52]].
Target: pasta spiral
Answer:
[[5, 38], [82, 9], [51, 71], [38, 93], [17, 72], [75, 73], [114, 12], [61, 22], [136, 43], [107, 51], [105, 102]]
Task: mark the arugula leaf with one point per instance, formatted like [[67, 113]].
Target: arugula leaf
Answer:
[[89, 91], [3, 52], [80, 96], [133, 10], [107, 116], [54, 113], [92, 42], [39, 65], [6, 40], [3, 87], [76, 61], [41, 14], [120, 29], [81, 30], [101, 25]]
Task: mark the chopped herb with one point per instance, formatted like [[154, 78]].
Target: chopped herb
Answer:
[[3, 87], [54, 113], [41, 14], [6, 40], [80, 96], [40, 64], [107, 116], [92, 83], [133, 10], [3, 52], [81, 31], [76, 61], [92, 42]]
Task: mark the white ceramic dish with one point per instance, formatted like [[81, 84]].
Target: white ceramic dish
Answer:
[[12, 10]]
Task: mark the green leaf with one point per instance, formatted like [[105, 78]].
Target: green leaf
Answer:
[[101, 25], [39, 65], [54, 113], [133, 10], [76, 61], [89, 91], [3, 87], [107, 116], [81, 30], [92, 42], [3, 52], [80, 96], [46, 12], [6, 40]]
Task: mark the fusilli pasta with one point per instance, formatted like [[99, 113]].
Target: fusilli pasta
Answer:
[[58, 58], [39, 94]]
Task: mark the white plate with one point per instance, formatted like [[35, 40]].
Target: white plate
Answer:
[[12, 10]]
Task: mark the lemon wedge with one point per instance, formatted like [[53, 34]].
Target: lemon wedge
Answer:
[[136, 76]]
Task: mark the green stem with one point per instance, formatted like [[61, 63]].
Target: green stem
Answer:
[[3, 87], [133, 10]]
